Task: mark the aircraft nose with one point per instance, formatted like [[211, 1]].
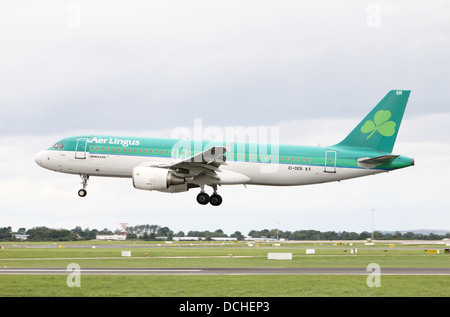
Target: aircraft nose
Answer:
[[40, 158]]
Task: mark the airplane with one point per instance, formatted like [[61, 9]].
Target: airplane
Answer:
[[178, 165]]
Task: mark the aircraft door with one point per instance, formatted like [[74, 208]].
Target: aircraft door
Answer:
[[330, 162], [80, 151]]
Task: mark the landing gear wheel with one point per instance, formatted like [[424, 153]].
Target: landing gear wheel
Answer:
[[215, 200], [85, 179], [203, 198]]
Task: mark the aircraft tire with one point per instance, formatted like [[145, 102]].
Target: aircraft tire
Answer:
[[82, 193], [215, 200], [203, 198]]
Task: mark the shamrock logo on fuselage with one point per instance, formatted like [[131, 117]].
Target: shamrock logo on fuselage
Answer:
[[380, 123]]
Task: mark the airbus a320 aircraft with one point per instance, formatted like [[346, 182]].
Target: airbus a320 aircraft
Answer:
[[177, 165]]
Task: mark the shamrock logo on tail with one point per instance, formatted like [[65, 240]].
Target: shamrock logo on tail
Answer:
[[380, 123]]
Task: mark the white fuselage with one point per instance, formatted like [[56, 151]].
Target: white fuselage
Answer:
[[275, 174]]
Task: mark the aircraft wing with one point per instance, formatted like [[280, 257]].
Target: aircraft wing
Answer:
[[204, 163], [204, 167], [214, 156]]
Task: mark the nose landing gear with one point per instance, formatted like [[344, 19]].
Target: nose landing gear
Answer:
[[82, 192]]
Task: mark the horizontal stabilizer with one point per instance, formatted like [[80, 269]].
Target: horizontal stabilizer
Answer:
[[369, 162]]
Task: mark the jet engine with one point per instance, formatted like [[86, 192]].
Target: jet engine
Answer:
[[154, 178]]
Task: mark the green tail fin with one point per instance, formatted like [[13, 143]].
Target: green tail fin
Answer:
[[379, 128]]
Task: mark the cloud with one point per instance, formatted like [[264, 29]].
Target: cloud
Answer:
[[311, 70], [150, 64]]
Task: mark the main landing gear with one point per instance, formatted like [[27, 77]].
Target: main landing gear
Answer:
[[82, 192], [215, 199]]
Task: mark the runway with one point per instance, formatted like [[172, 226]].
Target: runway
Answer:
[[225, 271]]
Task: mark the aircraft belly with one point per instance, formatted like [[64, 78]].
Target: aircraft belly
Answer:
[[287, 175], [250, 172]]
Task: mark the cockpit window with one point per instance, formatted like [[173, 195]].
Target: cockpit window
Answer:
[[58, 146]]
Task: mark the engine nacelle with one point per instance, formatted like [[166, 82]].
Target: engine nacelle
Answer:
[[154, 178]]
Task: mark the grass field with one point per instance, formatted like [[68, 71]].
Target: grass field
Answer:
[[108, 254], [224, 286]]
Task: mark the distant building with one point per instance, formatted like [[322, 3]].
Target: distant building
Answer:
[[112, 237], [223, 239], [202, 239], [186, 238], [262, 239]]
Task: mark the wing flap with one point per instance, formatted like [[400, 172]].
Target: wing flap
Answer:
[[213, 156], [204, 163]]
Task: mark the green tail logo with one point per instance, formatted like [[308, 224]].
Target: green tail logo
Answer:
[[380, 123]]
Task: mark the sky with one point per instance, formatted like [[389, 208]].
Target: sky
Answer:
[[309, 69]]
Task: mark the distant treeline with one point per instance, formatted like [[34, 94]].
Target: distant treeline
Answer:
[[155, 232], [47, 234], [344, 235]]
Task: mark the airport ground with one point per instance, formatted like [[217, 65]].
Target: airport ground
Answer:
[[225, 269]]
